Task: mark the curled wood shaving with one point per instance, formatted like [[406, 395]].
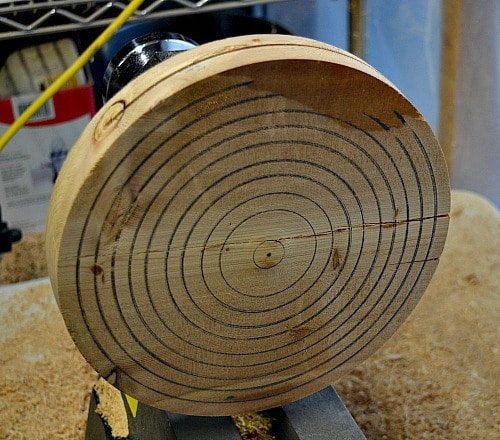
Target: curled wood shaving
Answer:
[[254, 426]]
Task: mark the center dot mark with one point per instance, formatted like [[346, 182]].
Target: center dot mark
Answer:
[[268, 254]]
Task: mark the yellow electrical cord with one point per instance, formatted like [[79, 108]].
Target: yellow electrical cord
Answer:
[[70, 72]]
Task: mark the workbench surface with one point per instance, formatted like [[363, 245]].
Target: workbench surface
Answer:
[[437, 377]]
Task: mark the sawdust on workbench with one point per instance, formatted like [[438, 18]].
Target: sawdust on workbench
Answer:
[[436, 378], [26, 261], [44, 380]]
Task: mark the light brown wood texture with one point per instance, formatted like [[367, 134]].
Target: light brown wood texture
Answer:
[[452, 12], [245, 223]]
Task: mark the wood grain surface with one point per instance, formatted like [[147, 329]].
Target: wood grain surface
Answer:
[[245, 223]]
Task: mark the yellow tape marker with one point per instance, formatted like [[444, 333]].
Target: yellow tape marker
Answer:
[[132, 403]]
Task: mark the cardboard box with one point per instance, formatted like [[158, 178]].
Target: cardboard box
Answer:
[[30, 162]]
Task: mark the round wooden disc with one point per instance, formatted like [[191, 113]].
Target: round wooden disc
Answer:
[[244, 223]]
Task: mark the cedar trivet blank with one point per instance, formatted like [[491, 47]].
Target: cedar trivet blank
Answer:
[[244, 223]]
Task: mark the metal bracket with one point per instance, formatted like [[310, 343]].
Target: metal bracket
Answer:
[[321, 416]]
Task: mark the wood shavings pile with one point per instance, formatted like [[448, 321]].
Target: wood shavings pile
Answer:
[[26, 261], [44, 380], [436, 378], [254, 426]]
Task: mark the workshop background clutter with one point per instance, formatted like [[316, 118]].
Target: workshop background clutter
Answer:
[[29, 164]]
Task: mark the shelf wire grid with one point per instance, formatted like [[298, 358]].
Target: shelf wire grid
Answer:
[[32, 17]]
